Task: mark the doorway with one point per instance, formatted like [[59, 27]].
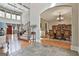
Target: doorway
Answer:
[[59, 33], [46, 32], [9, 29]]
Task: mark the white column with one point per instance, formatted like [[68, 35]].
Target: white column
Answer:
[[35, 20], [35, 10], [74, 41], [78, 28]]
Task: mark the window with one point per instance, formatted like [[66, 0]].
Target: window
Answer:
[[2, 14], [18, 17], [13, 16], [8, 15]]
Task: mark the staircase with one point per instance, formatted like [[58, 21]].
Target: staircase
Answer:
[[26, 30]]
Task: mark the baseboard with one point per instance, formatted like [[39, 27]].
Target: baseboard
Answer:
[[75, 48], [78, 49]]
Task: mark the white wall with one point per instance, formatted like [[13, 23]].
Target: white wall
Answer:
[[75, 18], [78, 28], [25, 17]]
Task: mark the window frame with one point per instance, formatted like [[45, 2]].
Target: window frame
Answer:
[[7, 16], [3, 15], [19, 17], [12, 16]]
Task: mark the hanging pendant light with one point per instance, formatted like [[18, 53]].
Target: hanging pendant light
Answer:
[[60, 17]]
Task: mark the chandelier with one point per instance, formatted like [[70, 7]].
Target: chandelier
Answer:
[[60, 17]]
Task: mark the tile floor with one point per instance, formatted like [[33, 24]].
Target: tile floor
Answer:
[[39, 50], [14, 45], [35, 49]]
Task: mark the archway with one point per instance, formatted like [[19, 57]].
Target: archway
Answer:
[[51, 31]]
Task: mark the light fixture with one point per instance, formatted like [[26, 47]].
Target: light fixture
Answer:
[[60, 17]]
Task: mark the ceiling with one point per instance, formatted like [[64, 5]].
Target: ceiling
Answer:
[[18, 7], [52, 13]]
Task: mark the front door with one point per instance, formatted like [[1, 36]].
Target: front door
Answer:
[[9, 29]]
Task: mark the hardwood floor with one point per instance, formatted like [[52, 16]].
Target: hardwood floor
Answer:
[[57, 43], [24, 43]]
